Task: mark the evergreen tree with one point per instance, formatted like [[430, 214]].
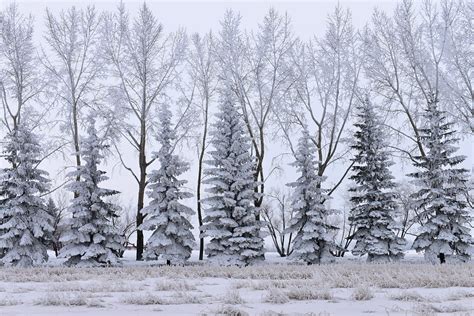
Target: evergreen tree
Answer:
[[91, 239], [441, 199], [52, 237], [23, 216], [172, 238], [3, 200], [231, 216], [375, 207], [314, 235]]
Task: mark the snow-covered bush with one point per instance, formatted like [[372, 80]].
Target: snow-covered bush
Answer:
[[275, 296], [362, 293], [143, 299], [307, 293], [232, 297]]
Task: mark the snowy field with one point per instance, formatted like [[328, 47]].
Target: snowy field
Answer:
[[277, 287]]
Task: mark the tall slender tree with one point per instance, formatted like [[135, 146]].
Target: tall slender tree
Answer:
[[20, 80], [375, 206], [24, 220], [231, 216], [441, 198], [257, 67], [91, 239], [75, 66], [144, 60], [325, 79], [172, 238], [314, 238], [202, 70]]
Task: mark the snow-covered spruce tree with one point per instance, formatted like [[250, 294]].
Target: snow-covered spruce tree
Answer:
[[441, 199], [314, 234], [172, 239], [374, 202], [52, 237], [91, 239], [23, 216], [230, 214]]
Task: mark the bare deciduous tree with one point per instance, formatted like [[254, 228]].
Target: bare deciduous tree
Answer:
[[144, 61], [202, 71], [414, 56], [277, 213], [19, 77], [460, 63], [258, 67], [74, 63], [326, 74], [406, 205], [126, 226]]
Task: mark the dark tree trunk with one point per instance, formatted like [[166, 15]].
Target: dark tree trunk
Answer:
[[141, 190], [198, 193]]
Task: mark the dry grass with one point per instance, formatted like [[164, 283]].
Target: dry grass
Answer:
[[109, 287], [174, 285], [68, 299], [308, 294], [233, 297], [362, 293], [459, 295], [227, 310], [8, 301], [143, 299], [182, 297], [431, 309], [272, 313], [408, 296], [344, 275], [275, 296], [274, 283]]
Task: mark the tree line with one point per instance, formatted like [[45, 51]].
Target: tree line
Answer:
[[403, 83]]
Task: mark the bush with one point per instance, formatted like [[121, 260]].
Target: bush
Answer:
[[275, 296], [362, 293]]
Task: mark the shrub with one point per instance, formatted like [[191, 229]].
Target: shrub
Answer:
[[362, 293], [275, 296]]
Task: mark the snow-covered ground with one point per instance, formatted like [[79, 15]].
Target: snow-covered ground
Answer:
[[277, 287]]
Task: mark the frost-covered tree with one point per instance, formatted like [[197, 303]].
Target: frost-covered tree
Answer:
[[144, 60], [91, 239], [74, 65], [172, 238], [230, 216], [314, 234], [374, 199], [258, 66], [57, 216], [325, 74], [24, 221], [441, 198]]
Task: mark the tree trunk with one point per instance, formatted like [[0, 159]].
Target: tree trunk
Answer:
[[198, 193], [141, 190], [141, 195]]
